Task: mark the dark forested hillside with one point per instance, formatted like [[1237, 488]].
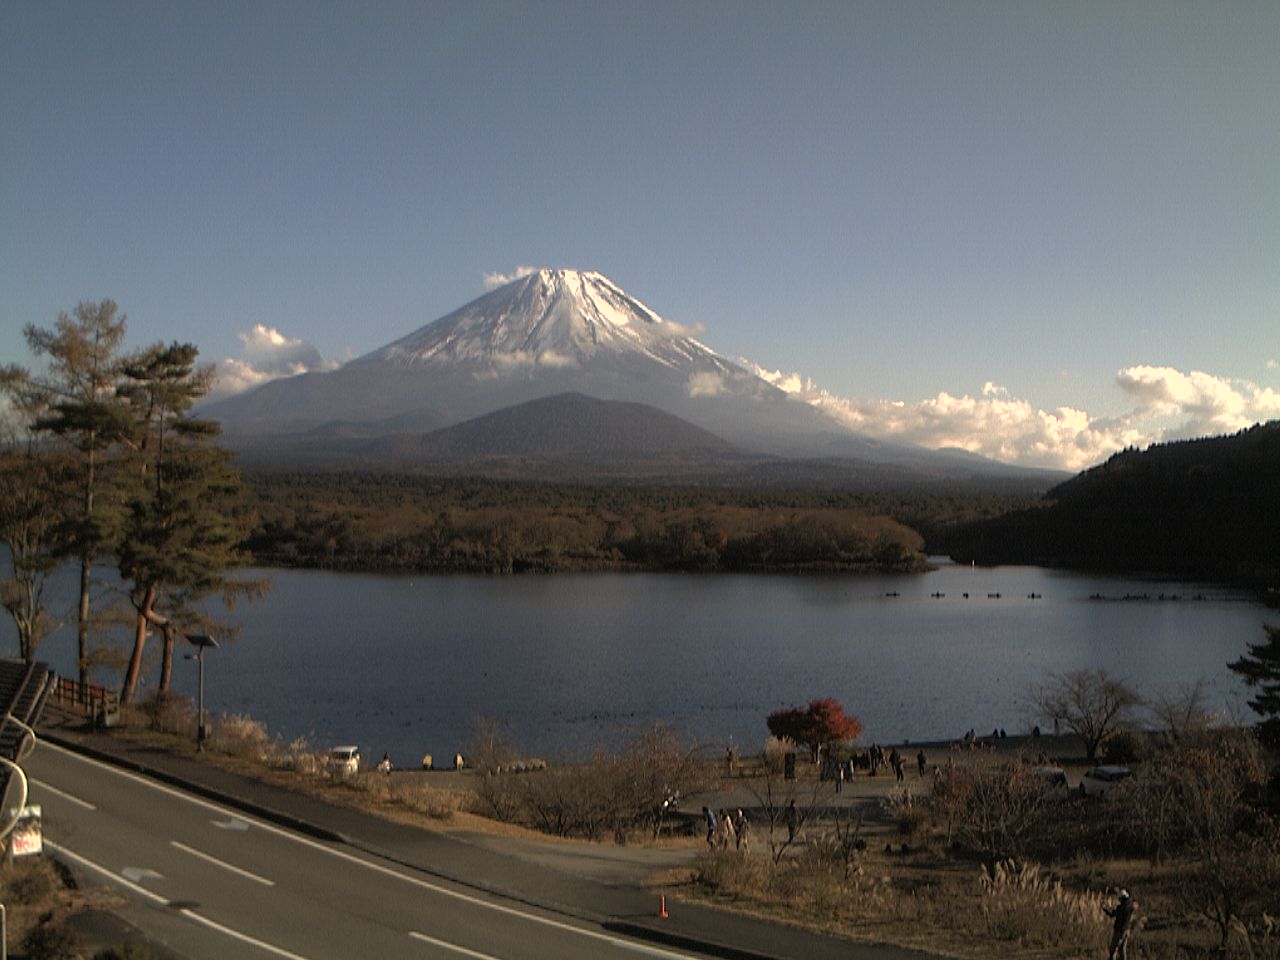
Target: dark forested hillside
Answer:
[[406, 522], [1200, 508]]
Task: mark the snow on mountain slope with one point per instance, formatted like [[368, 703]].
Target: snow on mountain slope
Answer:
[[552, 318], [547, 333]]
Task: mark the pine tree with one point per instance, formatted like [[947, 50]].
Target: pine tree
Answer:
[[79, 388], [34, 488], [179, 536], [1261, 670]]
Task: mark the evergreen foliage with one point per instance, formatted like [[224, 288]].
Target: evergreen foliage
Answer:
[[1205, 509], [1261, 671], [80, 406], [179, 539]]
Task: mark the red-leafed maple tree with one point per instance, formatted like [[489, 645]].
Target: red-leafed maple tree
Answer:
[[822, 723]]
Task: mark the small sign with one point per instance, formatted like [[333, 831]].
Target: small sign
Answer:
[[27, 839]]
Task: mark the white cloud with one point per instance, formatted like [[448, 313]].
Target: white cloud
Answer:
[[267, 354], [1167, 405], [518, 359], [706, 383], [494, 280], [1200, 403]]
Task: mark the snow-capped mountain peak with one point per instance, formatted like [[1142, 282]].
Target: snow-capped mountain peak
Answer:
[[550, 318]]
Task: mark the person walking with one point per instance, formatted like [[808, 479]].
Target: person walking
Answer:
[[740, 828], [1122, 926], [792, 819], [710, 819], [921, 763], [727, 832]]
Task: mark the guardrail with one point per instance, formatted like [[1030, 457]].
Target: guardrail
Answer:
[[90, 699]]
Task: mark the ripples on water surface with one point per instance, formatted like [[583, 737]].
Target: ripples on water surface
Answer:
[[571, 661]]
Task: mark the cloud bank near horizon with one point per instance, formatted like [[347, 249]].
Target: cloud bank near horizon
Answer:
[[267, 354], [1165, 404]]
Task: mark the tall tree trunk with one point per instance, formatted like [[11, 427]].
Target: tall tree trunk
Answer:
[[166, 661], [82, 628], [86, 567], [130, 685]]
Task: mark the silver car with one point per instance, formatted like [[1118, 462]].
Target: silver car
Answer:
[[1098, 781]]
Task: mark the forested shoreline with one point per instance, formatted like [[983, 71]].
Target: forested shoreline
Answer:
[[1206, 509], [384, 522]]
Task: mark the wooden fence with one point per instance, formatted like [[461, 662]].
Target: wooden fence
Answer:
[[90, 699]]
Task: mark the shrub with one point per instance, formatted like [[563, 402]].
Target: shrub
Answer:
[[29, 881], [910, 816], [170, 713], [406, 791], [991, 811], [775, 753], [726, 873], [612, 795], [297, 756], [1020, 905], [434, 803], [1127, 746], [239, 736], [51, 939]]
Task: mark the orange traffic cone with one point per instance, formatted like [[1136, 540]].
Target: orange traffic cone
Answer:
[[662, 906]]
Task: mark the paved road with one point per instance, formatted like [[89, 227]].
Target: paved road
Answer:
[[210, 882]]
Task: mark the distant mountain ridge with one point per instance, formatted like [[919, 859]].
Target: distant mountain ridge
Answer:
[[552, 333], [568, 425]]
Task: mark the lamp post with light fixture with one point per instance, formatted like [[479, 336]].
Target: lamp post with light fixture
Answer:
[[202, 642]]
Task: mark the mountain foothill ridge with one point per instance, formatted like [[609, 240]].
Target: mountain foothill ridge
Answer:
[[636, 383]]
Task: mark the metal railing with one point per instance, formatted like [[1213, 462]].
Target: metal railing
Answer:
[[91, 699]]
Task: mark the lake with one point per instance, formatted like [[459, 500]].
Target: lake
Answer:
[[572, 661]]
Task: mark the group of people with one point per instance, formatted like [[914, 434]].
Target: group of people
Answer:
[[725, 827], [871, 760]]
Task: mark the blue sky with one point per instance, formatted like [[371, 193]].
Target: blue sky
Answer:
[[1037, 230]]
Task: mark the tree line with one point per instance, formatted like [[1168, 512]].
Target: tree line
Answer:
[[102, 461], [1205, 509], [378, 521]]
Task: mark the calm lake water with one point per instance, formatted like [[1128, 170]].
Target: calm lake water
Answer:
[[568, 662]]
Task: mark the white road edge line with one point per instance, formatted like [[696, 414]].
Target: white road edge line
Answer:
[[451, 947], [164, 902], [222, 863], [63, 794], [377, 867]]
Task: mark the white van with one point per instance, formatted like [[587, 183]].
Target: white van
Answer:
[[344, 761]]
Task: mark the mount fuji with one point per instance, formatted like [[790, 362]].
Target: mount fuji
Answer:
[[546, 334]]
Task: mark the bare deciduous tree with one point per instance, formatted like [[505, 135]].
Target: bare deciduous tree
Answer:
[[990, 810], [786, 804], [1193, 799], [1090, 703], [1181, 711]]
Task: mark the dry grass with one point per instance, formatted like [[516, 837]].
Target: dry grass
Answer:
[[239, 744], [40, 900]]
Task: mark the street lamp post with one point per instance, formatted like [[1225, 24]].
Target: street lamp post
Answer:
[[202, 642]]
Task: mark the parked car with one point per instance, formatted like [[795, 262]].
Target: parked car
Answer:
[[1101, 780], [344, 760]]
